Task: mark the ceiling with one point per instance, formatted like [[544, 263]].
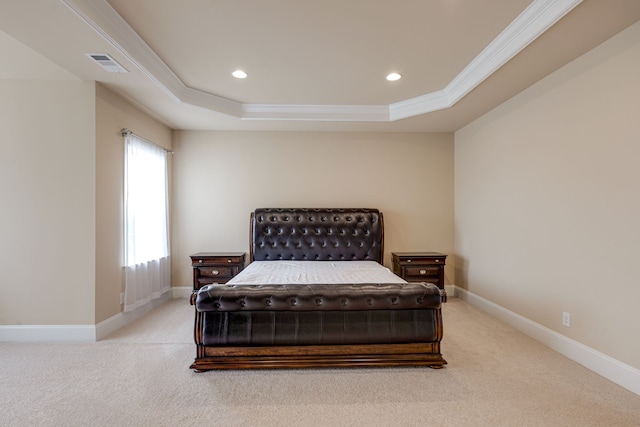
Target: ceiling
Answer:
[[312, 65]]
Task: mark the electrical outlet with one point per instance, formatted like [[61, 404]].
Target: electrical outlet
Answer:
[[121, 297], [566, 319]]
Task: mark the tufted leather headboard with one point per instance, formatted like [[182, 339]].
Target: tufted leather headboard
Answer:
[[316, 234]]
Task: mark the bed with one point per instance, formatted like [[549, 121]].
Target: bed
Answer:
[[316, 294]]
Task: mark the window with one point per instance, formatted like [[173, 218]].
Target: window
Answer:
[[146, 234]]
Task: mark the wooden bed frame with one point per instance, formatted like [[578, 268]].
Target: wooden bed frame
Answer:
[[322, 235]]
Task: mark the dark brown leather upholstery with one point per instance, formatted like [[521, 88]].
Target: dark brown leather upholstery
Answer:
[[269, 328], [316, 234], [319, 297], [296, 314]]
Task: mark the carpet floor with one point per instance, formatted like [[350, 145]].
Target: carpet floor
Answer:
[[140, 376]]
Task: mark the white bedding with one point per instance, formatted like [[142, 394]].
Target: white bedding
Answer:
[[314, 272]]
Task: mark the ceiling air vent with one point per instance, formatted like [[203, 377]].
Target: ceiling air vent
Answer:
[[106, 62]]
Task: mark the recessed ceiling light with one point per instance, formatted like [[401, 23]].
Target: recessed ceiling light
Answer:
[[393, 77], [239, 74]]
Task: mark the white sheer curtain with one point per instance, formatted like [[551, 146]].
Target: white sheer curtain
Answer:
[[146, 239]]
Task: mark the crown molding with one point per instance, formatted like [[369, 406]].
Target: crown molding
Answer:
[[103, 19], [336, 113], [428, 103], [539, 16]]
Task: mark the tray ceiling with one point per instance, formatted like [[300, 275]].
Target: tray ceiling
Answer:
[[316, 65]]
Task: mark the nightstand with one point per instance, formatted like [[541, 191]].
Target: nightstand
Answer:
[[421, 267], [215, 267]]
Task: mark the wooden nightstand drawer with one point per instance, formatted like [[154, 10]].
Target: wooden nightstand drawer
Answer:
[[216, 260], [216, 271], [409, 258], [421, 272]]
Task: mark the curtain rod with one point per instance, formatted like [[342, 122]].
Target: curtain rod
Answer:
[[125, 132]]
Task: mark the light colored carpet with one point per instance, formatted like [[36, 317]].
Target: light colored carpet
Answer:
[[139, 376]]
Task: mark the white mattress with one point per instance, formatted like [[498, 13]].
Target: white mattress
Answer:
[[314, 272]]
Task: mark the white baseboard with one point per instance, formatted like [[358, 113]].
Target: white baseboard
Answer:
[[112, 324], [620, 373], [450, 290], [76, 333], [182, 292], [47, 333]]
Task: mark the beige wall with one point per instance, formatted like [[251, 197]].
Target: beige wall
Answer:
[[113, 114], [547, 200], [61, 192], [220, 177], [47, 191]]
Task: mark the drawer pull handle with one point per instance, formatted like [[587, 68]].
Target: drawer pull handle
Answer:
[[229, 260], [423, 272], [200, 261], [437, 260], [408, 260], [215, 272]]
